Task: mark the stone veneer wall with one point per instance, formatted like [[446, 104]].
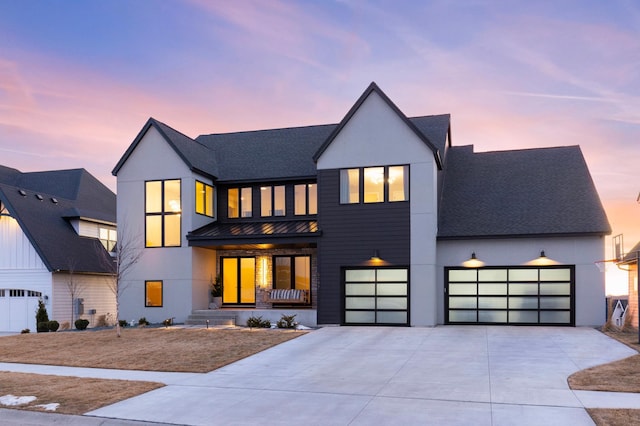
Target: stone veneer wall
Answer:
[[264, 277]]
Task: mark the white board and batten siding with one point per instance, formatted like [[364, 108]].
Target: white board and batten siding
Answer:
[[20, 269]]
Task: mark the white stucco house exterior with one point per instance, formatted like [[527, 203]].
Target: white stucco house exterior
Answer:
[[377, 220]]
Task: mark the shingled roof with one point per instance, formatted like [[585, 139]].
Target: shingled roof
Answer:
[[50, 199], [545, 191], [196, 156]]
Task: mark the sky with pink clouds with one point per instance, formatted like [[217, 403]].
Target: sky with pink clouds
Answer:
[[78, 79]]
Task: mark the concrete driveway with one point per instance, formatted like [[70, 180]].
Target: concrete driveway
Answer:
[[450, 375]]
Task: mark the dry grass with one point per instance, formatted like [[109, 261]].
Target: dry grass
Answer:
[[614, 417], [197, 350], [75, 395], [618, 376], [152, 349]]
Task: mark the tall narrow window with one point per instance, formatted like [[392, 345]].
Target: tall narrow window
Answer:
[[374, 184], [239, 202], [272, 201], [245, 202], [153, 294], [204, 199], [349, 186], [398, 183], [305, 199], [163, 213]]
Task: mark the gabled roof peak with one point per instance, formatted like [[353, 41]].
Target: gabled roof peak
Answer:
[[373, 88]]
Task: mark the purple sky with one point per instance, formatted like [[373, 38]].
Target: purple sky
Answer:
[[78, 79]]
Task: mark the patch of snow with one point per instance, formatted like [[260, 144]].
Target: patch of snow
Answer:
[[16, 400], [49, 407], [302, 327]]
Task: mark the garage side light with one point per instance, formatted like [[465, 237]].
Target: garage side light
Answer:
[[473, 262]]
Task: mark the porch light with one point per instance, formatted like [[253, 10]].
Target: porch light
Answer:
[[542, 260], [375, 256], [473, 262]]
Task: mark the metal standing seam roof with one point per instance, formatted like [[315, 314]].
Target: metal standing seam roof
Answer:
[[539, 191], [50, 199], [256, 229]]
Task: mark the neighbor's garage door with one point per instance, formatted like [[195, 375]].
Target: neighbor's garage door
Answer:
[[510, 295], [18, 309], [376, 296]]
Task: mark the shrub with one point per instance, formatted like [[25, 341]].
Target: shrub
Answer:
[[81, 324], [53, 325], [25, 331], [41, 317], [102, 321], [42, 327], [258, 322], [143, 321], [65, 325], [123, 323], [287, 321]]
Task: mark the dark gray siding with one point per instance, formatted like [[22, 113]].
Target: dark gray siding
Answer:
[[350, 234]]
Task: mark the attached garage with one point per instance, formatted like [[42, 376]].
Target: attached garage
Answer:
[[521, 295], [376, 296], [18, 309]]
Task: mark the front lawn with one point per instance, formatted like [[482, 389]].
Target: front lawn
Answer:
[[197, 350]]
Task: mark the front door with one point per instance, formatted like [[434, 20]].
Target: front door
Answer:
[[238, 280]]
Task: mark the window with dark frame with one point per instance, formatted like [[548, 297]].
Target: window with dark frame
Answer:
[[163, 212], [153, 294], [374, 184], [204, 199], [305, 198], [239, 202], [292, 272], [272, 201]]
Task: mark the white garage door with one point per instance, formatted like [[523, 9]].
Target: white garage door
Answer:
[[18, 309], [510, 295]]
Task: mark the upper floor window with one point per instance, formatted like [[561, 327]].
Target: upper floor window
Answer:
[[272, 201], [349, 186], [163, 210], [378, 184], [108, 238], [305, 199], [239, 202], [204, 199]]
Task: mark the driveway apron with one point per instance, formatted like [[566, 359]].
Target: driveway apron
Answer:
[[448, 375]]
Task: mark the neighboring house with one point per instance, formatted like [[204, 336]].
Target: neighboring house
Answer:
[[372, 218], [630, 264], [55, 227]]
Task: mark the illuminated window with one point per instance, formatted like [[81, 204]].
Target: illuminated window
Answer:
[[305, 199], [163, 213], [108, 238], [239, 202], [272, 201], [374, 184], [153, 294], [398, 178], [204, 199], [379, 184], [349, 186], [292, 272]]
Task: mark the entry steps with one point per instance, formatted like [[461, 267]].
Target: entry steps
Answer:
[[215, 317]]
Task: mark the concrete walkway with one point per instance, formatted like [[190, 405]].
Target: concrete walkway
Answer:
[[449, 375]]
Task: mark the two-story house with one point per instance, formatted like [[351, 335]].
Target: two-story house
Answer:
[[56, 231], [372, 220]]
